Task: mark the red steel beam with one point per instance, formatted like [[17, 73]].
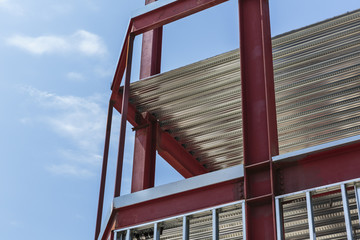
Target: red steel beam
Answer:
[[103, 171], [259, 118], [120, 69], [169, 13], [168, 148], [331, 166], [180, 159], [177, 204], [156, 19]]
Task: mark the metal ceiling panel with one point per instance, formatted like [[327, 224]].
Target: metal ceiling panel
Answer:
[[317, 84]]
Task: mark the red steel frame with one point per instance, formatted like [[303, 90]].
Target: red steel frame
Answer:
[[263, 178], [145, 136]]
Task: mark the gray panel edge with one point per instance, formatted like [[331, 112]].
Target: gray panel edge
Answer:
[[315, 149], [204, 180]]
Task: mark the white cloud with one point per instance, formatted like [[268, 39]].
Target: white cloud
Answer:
[[81, 122], [11, 7], [81, 41]]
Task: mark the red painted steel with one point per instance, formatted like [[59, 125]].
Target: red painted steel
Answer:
[[144, 156], [259, 117], [124, 108], [151, 53], [168, 148], [177, 204], [169, 13], [145, 138], [133, 116], [121, 64], [332, 166], [177, 156], [103, 171]]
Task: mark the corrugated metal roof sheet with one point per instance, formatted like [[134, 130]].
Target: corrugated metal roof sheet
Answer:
[[317, 85]]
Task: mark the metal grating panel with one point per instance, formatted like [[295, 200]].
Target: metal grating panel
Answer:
[[227, 225], [329, 215], [317, 81], [230, 223]]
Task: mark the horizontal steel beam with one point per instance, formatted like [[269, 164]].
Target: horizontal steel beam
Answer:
[[295, 155], [200, 192], [216, 188], [177, 156], [151, 7], [168, 148], [173, 205], [168, 13], [202, 181], [318, 168]]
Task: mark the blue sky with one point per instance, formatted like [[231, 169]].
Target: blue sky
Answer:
[[56, 66]]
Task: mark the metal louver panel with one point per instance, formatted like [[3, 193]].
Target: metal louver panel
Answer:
[[229, 225], [317, 81], [328, 214]]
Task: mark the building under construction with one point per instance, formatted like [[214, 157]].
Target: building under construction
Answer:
[[267, 136]]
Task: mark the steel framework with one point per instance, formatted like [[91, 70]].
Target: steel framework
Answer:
[[265, 177]]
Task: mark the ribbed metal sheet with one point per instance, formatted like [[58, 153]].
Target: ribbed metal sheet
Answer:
[[328, 215], [317, 85]]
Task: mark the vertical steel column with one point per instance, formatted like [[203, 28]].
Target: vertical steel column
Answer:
[[145, 138], [186, 230], [103, 171], [347, 215], [279, 220], [310, 214], [151, 51], [144, 156], [259, 118], [215, 224], [125, 103], [357, 196]]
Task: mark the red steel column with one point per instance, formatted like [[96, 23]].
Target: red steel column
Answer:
[[259, 118], [145, 137], [124, 111], [144, 156], [151, 51], [103, 171]]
